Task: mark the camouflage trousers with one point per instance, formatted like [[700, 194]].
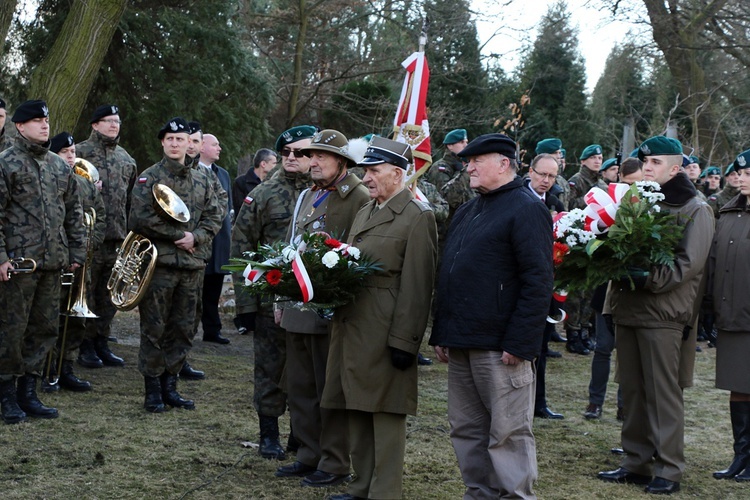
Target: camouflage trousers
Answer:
[[76, 327], [167, 320], [578, 307], [270, 358], [29, 315], [98, 298]]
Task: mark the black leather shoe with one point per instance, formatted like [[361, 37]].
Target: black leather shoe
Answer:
[[623, 476], [553, 354], [218, 338], [322, 479], [556, 337], [297, 469], [593, 412], [422, 361], [548, 414], [189, 373], [617, 451], [661, 486]]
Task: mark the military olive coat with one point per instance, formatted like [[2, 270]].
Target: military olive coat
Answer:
[[391, 311]]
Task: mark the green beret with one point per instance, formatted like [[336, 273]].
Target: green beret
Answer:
[[295, 134], [455, 136], [693, 159], [608, 164], [742, 161], [548, 146], [711, 171], [659, 145], [729, 169], [591, 150], [633, 154]]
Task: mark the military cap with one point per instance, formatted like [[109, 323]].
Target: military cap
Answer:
[[729, 169], [455, 136], [711, 171], [589, 151], [548, 146], [295, 134], [608, 164], [2, 104], [490, 143], [61, 141], [742, 160], [103, 111], [368, 137], [693, 159], [30, 110], [331, 141], [194, 127], [659, 145], [382, 150], [176, 125], [685, 160], [633, 154]]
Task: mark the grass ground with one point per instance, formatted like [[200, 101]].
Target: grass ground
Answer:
[[104, 445]]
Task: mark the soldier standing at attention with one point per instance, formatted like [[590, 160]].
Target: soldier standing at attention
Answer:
[[169, 305], [264, 218], [40, 219], [117, 171], [732, 189]]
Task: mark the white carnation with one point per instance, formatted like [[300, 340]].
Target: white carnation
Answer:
[[354, 252], [330, 259], [288, 253]]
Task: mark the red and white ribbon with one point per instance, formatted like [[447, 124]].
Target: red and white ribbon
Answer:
[[601, 206], [252, 275], [303, 279]]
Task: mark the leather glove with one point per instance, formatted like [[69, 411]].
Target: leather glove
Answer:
[[401, 359], [245, 323], [610, 324]]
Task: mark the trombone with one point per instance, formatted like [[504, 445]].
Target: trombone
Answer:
[[22, 265]]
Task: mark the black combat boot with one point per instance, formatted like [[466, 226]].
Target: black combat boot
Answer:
[[69, 381], [587, 340], [739, 412], [574, 343], [108, 357], [270, 447], [12, 413], [189, 373], [87, 356], [29, 401], [170, 395], [153, 402]]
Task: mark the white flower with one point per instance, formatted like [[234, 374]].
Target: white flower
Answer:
[[288, 253], [354, 252], [571, 241], [656, 208], [330, 259]]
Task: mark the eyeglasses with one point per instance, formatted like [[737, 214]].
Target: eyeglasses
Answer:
[[287, 153], [551, 177], [113, 121]]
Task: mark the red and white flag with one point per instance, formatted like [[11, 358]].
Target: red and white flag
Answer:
[[410, 125]]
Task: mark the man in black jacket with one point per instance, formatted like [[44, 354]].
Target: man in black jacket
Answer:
[[263, 162], [494, 291]]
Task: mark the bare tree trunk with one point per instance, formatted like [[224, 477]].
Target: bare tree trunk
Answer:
[[65, 76], [7, 8], [299, 47]]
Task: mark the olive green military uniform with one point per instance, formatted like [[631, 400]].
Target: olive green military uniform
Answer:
[[264, 218], [320, 431], [41, 219], [718, 200], [168, 307], [564, 196], [439, 206], [117, 171]]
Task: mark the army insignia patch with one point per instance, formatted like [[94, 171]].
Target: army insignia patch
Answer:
[[287, 136], [248, 200], [344, 188], [645, 150], [114, 110], [317, 137], [45, 111], [173, 126], [142, 180], [741, 161], [598, 151]]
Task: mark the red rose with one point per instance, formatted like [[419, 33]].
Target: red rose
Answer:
[[273, 277], [332, 243], [559, 250]]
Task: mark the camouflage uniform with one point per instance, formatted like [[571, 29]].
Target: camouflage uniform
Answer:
[[561, 189], [168, 307], [437, 203], [450, 177], [718, 200], [117, 171], [41, 219], [264, 218]]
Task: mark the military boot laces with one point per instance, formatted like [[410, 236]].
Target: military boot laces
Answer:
[[270, 447], [12, 413], [29, 401], [170, 395]]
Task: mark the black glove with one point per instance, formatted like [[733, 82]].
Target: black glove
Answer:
[[401, 359], [610, 324], [245, 323]]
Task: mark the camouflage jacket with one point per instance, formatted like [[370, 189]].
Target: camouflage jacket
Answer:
[[718, 200], [91, 198], [117, 171], [194, 188], [561, 189], [437, 203], [452, 180], [580, 184], [264, 218], [40, 208]]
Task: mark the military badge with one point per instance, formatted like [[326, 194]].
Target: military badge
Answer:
[[287, 136], [115, 110], [173, 126], [741, 161], [645, 150], [248, 200], [344, 188], [598, 151], [45, 111], [142, 180]]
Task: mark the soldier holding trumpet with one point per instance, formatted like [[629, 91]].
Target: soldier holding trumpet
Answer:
[[41, 220]]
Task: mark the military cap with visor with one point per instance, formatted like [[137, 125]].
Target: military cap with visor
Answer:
[[490, 143], [382, 150], [61, 141], [659, 145], [455, 136], [104, 111], [589, 151], [295, 134], [549, 145], [176, 125], [30, 110]]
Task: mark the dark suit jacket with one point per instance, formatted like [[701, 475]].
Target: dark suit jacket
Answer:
[[223, 240], [241, 187]]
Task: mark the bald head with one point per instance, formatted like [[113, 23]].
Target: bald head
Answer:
[[210, 150]]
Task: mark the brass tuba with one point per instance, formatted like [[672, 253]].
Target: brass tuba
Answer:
[[136, 257], [86, 169]]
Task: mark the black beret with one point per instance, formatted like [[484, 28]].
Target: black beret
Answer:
[[30, 110], [194, 127], [103, 111], [61, 141], [490, 143], [2, 104], [176, 125]]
